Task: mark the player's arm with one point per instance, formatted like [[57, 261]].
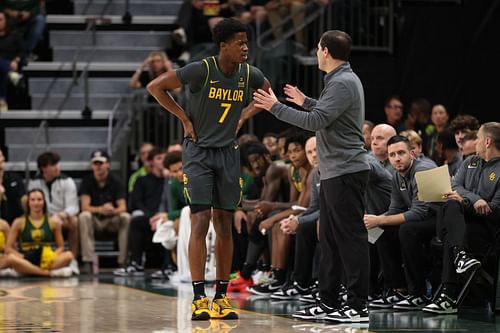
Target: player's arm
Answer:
[[159, 87], [251, 110]]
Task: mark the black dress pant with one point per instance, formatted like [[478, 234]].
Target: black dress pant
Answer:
[[343, 240], [306, 240], [389, 252], [141, 241], [415, 238], [474, 234]]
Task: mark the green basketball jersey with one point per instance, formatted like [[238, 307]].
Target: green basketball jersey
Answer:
[[33, 238], [215, 105]]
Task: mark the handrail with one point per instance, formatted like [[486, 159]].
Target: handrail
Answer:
[[43, 125], [111, 116]]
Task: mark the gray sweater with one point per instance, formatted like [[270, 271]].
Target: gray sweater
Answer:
[[477, 179], [404, 195], [337, 117]]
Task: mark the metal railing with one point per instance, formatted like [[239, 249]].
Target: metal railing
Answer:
[[77, 78]]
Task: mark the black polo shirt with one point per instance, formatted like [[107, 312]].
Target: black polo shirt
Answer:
[[112, 191], [10, 205]]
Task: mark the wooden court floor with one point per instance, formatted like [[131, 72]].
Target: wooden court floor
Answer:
[[116, 304]]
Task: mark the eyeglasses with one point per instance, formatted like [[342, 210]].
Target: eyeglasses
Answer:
[[394, 106]]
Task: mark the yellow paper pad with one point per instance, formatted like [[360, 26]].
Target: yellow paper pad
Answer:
[[433, 183]]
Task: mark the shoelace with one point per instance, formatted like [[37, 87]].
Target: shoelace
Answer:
[[224, 303], [202, 303]]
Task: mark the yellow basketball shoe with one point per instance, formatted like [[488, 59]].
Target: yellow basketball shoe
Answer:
[[222, 309], [200, 309]]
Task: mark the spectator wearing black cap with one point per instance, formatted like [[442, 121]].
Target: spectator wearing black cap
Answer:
[[103, 206]]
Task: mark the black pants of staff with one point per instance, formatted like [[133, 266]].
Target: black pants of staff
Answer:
[[343, 240], [415, 238], [473, 234], [306, 240], [141, 241], [389, 252]]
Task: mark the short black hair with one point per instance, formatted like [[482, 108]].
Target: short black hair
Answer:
[[155, 151], [298, 137], [47, 158], [172, 158], [225, 30], [399, 138], [338, 43], [249, 148], [447, 138]]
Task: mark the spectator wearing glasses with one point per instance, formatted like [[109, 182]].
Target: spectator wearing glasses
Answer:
[[394, 112]]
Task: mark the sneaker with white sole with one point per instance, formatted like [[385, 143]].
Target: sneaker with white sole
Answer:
[[412, 303], [311, 297], [289, 292], [387, 300], [131, 270], [61, 272], [74, 267], [442, 305], [314, 312], [463, 262], [265, 289], [348, 315]]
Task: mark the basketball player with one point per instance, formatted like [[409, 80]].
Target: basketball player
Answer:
[[219, 89]]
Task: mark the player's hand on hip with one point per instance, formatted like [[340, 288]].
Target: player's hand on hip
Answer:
[[189, 130], [264, 99], [294, 95]]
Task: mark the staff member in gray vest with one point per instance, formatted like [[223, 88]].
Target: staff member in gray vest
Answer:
[[337, 117]]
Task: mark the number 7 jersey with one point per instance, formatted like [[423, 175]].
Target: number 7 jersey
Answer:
[[215, 100]]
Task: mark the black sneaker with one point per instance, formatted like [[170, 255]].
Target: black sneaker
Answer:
[[463, 262], [314, 312], [289, 292], [411, 303], [386, 301], [348, 315], [265, 289], [131, 270], [442, 305], [312, 296]]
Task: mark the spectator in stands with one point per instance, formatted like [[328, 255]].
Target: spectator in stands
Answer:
[[393, 109], [11, 53], [155, 64], [367, 132], [461, 125], [469, 144], [144, 151], [447, 147], [440, 120], [469, 219], [103, 206], [381, 133], [416, 146], [148, 211], [277, 10], [29, 17], [61, 197], [11, 192], [417, 225], [195, 21], [38, 234], [418, 119]]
